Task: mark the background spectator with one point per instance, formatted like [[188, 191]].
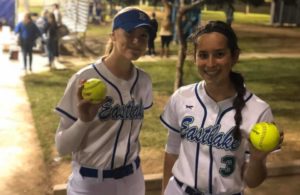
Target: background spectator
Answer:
[[27, 32], [151, 44], [91, 10], [98, 18], [52, 39], [57, 14], [42, 23], [166, 35]]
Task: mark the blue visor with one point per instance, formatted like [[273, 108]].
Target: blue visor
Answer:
[[132, 19]]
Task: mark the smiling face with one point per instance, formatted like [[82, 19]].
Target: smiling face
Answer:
[[214, 59], [130, 45]]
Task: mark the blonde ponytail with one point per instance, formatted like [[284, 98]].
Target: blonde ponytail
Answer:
[[109, 47]]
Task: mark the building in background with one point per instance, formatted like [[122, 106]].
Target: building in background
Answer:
[[8, 12], [285, 12]]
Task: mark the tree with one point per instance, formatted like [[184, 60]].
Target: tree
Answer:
[[229, 12], [184, 7]]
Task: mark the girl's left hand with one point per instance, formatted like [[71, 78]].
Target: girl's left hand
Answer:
[[261, 155]]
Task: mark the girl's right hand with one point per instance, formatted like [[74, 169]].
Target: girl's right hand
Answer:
[[86, 109]]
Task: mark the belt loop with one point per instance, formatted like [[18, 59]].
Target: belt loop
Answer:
[[100, 175], [76, 169], [134, 166], [75, 166]]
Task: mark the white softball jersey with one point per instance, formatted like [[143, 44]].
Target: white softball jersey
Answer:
[[200, 132], [111, 139]]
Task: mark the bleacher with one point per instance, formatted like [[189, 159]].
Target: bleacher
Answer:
[[75, 18]]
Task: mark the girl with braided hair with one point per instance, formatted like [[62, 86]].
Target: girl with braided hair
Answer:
[[207, 150]]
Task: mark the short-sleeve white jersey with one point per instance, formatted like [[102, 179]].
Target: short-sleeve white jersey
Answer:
[[111, 139], [210, 159]]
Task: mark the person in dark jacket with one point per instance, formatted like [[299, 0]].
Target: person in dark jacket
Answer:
[[151, 44], [52, 39], [28, 32]]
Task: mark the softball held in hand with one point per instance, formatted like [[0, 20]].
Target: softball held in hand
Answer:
[[94, 90], [264, 136]]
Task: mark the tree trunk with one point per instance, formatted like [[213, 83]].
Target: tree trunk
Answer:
[[183, 9], [181, 52], [272, 13], [179, 66]]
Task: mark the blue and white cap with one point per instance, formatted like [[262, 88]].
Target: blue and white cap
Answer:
[[131, 18]]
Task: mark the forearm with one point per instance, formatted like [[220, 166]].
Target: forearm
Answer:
[[167, 172], [255, 173], [68, 140]]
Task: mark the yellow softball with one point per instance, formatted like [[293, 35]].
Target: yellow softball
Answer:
[[94, 90], [264, 136]]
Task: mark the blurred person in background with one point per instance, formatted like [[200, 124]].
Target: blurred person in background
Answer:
[[42, 23], [57, 14], [151, 44], [51, 32], [27, 33]]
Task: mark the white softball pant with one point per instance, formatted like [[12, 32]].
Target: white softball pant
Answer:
[[174, 189], [130, 185]]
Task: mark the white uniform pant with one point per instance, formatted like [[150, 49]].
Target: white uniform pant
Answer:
[[130, 185], [174, 189]]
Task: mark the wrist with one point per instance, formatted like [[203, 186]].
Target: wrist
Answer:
[[257, 160], [258, 156]]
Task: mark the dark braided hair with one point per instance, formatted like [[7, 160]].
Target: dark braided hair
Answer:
[[239, 102], [236, 78]]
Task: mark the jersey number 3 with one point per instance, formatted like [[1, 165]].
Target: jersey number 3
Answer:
[[229, 162]]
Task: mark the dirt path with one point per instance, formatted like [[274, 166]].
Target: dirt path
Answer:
[[22, 170]]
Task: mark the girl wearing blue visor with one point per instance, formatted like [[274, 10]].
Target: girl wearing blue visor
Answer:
[[103, 138]]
